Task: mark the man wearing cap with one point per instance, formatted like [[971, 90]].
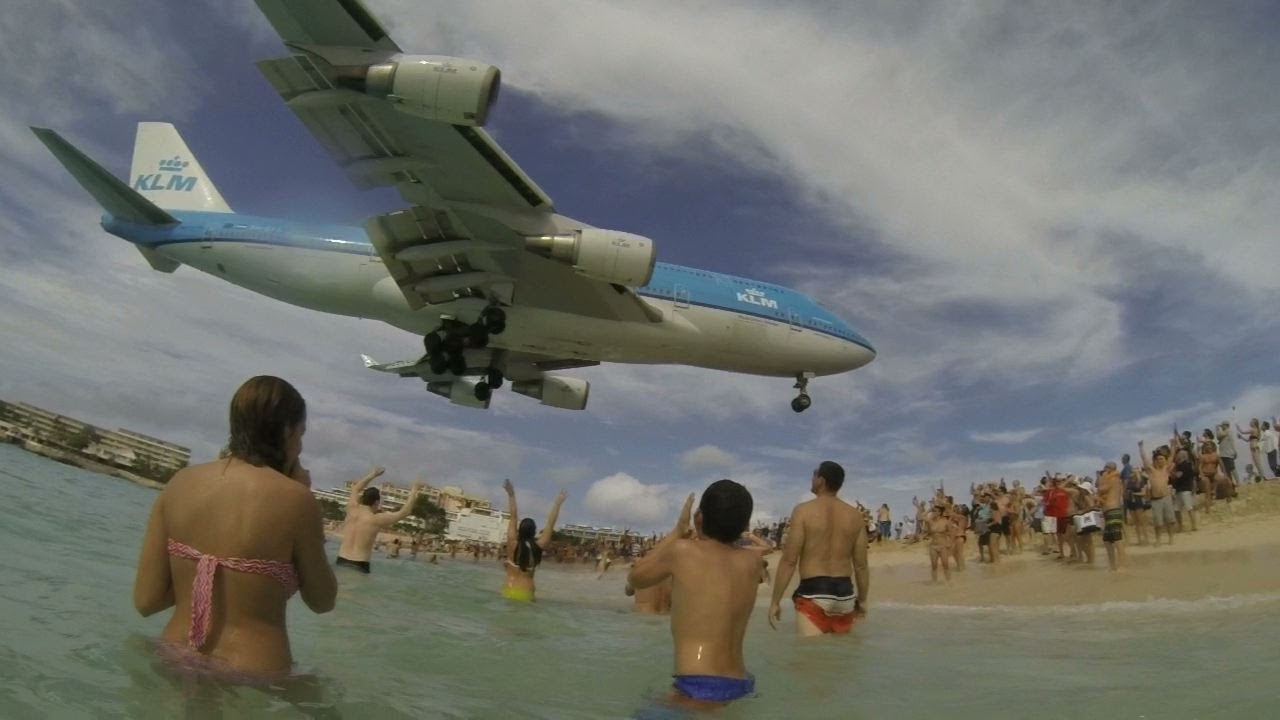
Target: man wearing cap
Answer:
[[1111, 493]]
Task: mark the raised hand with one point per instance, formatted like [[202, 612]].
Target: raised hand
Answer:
[[682, 525], [560, 498], [377, 472], [506, 485]]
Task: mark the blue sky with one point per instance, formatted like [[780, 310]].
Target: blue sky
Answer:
[[1056, 222]]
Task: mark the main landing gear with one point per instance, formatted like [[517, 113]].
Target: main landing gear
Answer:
[[802, 401], [447, 344]]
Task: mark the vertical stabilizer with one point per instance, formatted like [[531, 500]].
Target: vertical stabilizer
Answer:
[[166, 173]]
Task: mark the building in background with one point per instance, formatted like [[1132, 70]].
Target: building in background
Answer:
[[590, 533], [125, 449]]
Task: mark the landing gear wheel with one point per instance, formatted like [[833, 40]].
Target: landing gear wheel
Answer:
[[439, 362], [478, 336], [801, 403], [432, 342], [494, 319], [453, 343], [458, 365], [494, 378], [483, 392]]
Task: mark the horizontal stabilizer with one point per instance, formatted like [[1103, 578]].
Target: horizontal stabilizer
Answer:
[[117, 198]]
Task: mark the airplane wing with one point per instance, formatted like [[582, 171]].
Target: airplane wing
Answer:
[[471, 207]]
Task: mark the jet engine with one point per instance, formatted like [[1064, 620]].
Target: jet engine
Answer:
[[607, 255], [447, 89], [565, 393], [459, 392]]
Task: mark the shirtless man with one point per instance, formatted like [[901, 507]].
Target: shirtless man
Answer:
[[1004, 515], [828, 541], [1111, 493], [363, 522], [938, 529], [713, 591], [1160, 492]]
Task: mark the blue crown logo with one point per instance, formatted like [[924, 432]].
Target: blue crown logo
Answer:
[[755, 293], [175, 165]]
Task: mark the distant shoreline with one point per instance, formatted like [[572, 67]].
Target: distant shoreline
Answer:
[[75, 460]]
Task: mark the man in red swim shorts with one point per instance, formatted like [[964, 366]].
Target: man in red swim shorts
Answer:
[[827, 539]]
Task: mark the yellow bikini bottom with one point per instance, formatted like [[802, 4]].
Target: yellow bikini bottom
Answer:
[[517, 594]]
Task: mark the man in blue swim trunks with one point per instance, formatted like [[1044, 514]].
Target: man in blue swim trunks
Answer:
[[713, 592]]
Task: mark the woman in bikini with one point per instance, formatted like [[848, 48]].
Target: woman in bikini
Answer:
[[524, 550], [243, 529]]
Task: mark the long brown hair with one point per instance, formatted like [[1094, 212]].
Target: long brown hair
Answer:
[[262, 411]]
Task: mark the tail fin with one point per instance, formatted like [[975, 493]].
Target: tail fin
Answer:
[[113, 195], [165, 171]]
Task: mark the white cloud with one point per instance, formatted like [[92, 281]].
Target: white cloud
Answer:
[[706, 457], [622, 499], [1010, 437]]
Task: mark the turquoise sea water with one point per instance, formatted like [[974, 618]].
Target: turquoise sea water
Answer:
[[415, 640]]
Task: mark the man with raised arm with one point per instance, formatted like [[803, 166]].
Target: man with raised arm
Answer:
[[363, 522], [713, 590], [828, 541], [1160, 492]]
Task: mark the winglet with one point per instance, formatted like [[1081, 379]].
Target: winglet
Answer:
[[369, 362]]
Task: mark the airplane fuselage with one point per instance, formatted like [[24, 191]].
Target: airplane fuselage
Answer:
[[708, 319]]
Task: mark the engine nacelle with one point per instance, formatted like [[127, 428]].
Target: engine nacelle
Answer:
[[447, 89], [459, 392], [607, 255], [566, 393]]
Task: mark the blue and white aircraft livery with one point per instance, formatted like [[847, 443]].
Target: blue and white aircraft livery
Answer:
[[501, 287]]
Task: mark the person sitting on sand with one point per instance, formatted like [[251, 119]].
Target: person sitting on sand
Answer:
[[525, 547], [1111, 495], [242, 531], [363, 522], [713, 592], [828, 543]]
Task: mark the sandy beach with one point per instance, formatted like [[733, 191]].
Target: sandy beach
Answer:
[[1235, 552]]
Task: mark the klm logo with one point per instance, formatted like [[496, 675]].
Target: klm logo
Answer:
[[756, 297], [170, 177]]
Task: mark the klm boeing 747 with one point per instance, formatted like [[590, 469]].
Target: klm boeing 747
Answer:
[[501, 287]]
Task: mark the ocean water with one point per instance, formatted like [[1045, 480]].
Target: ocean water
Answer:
[[416, 640]]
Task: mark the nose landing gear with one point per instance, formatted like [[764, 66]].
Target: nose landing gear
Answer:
[[802, 401]]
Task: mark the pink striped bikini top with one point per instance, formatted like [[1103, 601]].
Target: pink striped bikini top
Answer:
[[202, 587]]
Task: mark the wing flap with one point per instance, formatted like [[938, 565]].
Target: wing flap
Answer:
[[327, 22]]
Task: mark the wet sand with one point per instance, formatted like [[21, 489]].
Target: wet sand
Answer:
[[1235, 552]]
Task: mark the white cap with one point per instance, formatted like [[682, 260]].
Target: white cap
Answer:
[[1087, 486]]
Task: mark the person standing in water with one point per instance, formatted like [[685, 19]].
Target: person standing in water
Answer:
[[244, 532], [364, 521], [713, 590], [525, 547], [828, 541]]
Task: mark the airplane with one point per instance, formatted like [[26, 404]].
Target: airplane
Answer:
[[500, 286]]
